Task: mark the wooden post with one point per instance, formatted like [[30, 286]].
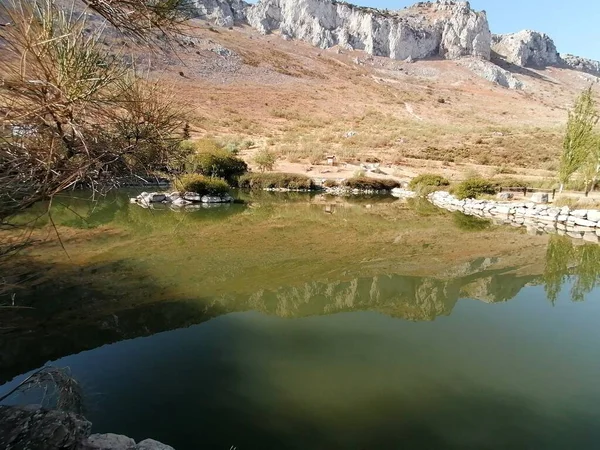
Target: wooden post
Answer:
[[553, 193]]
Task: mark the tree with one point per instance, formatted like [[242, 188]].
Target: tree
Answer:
[[578, 140], [265, 160], [186, 131], [591, 168], [72, 112]]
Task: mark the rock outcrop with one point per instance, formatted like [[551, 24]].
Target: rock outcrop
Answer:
[[526, 48], [33, 427], [445, 28], [224, 13], [582, 64], [493, 73]]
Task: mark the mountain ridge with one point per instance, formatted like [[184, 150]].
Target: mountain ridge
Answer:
[[445, 28]]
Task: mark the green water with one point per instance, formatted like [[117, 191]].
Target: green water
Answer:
[[309, 322]]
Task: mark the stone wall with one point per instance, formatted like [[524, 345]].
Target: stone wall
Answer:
[[578, 224]]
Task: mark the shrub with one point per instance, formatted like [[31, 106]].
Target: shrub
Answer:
[[330, 183], [372, 184], [428, 179], [265, 160], [473, 188], [217, 164], [201, 184], [511, 182], [276, 181]]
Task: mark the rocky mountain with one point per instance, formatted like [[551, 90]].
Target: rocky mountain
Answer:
[[533, 49], [526, 48], [444, 28]]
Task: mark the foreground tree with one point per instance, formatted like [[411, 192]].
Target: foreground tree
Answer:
[[579, 139], [73, 113]]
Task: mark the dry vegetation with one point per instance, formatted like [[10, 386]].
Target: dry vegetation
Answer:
[[301, 103]]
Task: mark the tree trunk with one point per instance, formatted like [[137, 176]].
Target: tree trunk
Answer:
[[561, 188]]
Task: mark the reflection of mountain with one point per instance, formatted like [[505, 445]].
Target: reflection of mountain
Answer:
[[406, 297]]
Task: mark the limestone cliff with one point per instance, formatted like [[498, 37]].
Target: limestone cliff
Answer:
[[526, 48], [583, 64], [445, 28], [224, 13]]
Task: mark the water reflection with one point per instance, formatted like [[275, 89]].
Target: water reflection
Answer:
[[285, 255], [566, 261]]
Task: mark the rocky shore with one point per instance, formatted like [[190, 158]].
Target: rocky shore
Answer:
[[35, 428], [178, 199], [537, 216]]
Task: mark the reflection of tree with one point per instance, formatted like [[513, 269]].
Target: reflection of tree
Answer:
[[564, 260], [587, 271], [559, 254]]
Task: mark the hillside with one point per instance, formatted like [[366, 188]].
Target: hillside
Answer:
[[277, 91]]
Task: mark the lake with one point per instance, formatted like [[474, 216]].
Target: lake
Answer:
[[297, 321]]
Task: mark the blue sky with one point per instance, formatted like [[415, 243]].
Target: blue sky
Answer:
[[573, 24]]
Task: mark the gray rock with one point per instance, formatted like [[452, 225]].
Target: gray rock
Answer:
[[223, 13], [591, 237], [526, 48], [30, 428], [580, 213], [585, 223], [450, 29], [493, 73], [582, 64], [151, 444], [192, 197], [505, 196], [594, 216], [539, 197], [108, 441]]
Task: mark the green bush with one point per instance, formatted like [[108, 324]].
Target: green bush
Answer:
[[473, 188], [201, 184], [217, 163], [276, 181], [371, 184], [511, 182], [427, 183], [265, 160], [428, 179]]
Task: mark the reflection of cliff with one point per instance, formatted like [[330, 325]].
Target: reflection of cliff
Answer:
[[410, 298], [79, 327]]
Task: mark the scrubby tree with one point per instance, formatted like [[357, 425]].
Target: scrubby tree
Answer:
[[265, 160], [579, 138], [72, 112]]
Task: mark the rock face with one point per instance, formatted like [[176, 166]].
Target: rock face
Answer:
[[224, 13], [445, 28], [37, 428], [581, 64], [526, 48], [33, 427], [493, 73]]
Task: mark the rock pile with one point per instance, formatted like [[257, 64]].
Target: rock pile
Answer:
[[578, 224], [33, 427], [146, 199]]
